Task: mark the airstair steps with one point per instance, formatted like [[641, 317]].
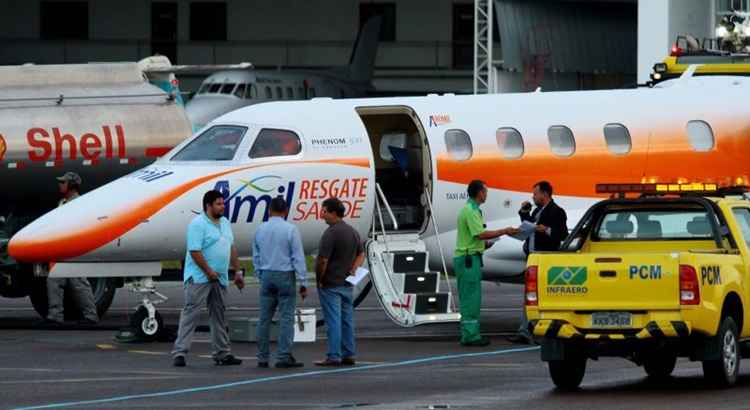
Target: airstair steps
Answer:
[[409, 291]]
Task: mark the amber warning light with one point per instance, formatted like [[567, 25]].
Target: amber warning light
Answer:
[[665, 188]]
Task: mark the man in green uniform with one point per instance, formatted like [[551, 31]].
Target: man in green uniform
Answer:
[[467, 262]]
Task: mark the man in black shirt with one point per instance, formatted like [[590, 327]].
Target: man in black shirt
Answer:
[[339, 255]]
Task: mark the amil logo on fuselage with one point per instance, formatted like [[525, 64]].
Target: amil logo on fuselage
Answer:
[[261, 190]]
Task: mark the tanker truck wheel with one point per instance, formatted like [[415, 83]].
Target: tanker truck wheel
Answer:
[[103, 289]]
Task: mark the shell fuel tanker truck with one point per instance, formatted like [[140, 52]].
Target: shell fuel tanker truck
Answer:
[[101, 120]]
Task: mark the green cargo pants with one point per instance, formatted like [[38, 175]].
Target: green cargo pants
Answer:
[[470, 296]]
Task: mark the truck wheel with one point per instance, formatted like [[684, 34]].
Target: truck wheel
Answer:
[[567, 374], [146, 329], [723, 372], [103, 289], [660, 365]]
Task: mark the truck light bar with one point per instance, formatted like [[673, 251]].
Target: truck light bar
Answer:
[[665, 188]]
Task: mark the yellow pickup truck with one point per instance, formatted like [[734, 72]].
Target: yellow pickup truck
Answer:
[[648, 279]]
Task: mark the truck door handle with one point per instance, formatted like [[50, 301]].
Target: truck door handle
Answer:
[[608, 260], [608, 273]]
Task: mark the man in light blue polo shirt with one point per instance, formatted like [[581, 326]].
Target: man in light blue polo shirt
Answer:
[[279, 260], [210, 248]]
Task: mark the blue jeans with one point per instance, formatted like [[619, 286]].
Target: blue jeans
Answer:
[[277, 289], [338, 312]]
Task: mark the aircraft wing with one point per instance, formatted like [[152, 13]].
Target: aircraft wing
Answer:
[[199, 68]]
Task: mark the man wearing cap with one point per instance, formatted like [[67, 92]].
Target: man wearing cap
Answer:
[[70, 185]]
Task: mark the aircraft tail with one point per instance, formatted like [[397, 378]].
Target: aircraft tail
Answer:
[[158, 71], [362, 61]]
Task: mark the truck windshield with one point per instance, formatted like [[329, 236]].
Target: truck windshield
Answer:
[[647, 224]]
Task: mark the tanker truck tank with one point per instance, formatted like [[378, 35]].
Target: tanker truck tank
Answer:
[[100, 120]]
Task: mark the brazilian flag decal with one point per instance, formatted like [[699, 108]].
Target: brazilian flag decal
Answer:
[[567, 275]]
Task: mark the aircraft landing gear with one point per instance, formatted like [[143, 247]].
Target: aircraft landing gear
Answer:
[[146, 324]]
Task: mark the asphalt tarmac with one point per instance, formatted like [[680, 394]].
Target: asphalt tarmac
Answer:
[[398, 368]]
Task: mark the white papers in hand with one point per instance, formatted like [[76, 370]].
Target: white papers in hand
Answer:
[[359, 274], [525, 231]]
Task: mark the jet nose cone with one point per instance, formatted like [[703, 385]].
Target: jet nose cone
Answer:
[[38, 242]]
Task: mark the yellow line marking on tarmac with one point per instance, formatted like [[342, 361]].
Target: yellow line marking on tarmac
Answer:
[[106, 346]]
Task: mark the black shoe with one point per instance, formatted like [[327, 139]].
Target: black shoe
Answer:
[[328, 363], [47, 323], [263, 365], [228, 360], [348, 361], [289, 364], [179, 361], [482, 342], [519, 339], [88, 322]]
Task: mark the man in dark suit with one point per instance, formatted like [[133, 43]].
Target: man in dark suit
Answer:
[[550, 219], [551, 229]]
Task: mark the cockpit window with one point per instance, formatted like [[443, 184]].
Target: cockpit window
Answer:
[[214, 88], [218, 143], [227, 88], [240, 90], [275, 143], [204, 88]]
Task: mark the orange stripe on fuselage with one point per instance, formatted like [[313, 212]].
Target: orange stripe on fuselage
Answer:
[[669, 159], [86, 239]]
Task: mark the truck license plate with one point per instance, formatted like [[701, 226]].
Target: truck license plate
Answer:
[[611, 319]]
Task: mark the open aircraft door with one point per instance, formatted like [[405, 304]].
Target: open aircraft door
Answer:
[[410, 293]]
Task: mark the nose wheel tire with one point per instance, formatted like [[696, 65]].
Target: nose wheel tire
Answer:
[[723, 371], [146, 329], [567, 374]]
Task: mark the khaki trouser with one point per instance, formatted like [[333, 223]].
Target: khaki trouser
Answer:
[[80, 288], [196, 295]]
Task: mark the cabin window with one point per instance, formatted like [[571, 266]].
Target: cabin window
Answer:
[[240, 90], [458, 144], [268, 93], [275, 143], [215, 87], [561, 140], [227, 88], [701, 135], [218, 143], [510, 142], [252, 92], [617, 138]]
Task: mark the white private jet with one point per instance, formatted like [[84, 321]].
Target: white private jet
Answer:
[[401, 166], [228, 90]]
